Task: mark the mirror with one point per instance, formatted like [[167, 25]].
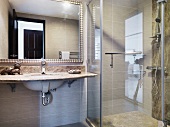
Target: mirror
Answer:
[[58, 35]]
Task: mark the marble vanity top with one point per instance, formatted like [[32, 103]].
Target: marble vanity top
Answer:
[[43, 77]]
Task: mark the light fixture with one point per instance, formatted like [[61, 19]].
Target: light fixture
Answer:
[[66, 4]]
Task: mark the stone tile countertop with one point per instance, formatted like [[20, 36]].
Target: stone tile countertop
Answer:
[[43, 77]]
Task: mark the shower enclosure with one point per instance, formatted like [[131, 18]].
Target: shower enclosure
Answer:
[[128, 47]]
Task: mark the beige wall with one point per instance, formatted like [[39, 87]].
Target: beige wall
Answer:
[[21, 108], [4, 7], [60, 35]]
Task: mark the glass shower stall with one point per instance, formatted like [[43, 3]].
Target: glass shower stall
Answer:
[[128, 47]]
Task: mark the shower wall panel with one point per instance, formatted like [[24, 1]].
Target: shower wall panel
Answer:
[[156, 97]]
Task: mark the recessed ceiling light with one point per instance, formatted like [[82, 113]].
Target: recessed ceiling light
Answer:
[[66, 5]]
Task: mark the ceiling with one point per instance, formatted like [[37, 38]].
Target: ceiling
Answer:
[[50, 8]]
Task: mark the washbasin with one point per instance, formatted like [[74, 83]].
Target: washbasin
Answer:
[[43, 86]]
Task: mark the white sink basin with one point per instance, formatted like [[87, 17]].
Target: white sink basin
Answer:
[[43, 86]]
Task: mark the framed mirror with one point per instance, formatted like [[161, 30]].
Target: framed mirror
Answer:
[[49, 29]]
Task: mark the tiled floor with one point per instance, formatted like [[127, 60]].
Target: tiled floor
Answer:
[[129, 119], [118, 106], [124, 113], [75, 125]]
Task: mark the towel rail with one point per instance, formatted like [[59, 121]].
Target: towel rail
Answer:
[[73, 55]]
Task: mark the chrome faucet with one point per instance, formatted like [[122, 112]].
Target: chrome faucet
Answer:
[[43, 64]]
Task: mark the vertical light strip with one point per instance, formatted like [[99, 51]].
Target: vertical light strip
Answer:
[[101, 64]]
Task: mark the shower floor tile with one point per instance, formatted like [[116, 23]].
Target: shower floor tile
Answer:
[[129, 119]]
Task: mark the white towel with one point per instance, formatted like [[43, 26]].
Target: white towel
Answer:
[[65, 55]]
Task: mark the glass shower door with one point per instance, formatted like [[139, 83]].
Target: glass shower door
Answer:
[[127, 86], [94, 84]]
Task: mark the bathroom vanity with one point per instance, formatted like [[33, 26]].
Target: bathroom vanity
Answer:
[[42, 77], [44, 83]]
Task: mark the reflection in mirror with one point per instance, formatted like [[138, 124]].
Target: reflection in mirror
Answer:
[[31, 44], [96, 37], [49, 30]]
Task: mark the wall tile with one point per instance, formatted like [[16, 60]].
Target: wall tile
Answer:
[[4, 8]]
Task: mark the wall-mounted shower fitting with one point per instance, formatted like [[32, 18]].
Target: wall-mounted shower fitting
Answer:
[[153, 68], [156, 68]]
